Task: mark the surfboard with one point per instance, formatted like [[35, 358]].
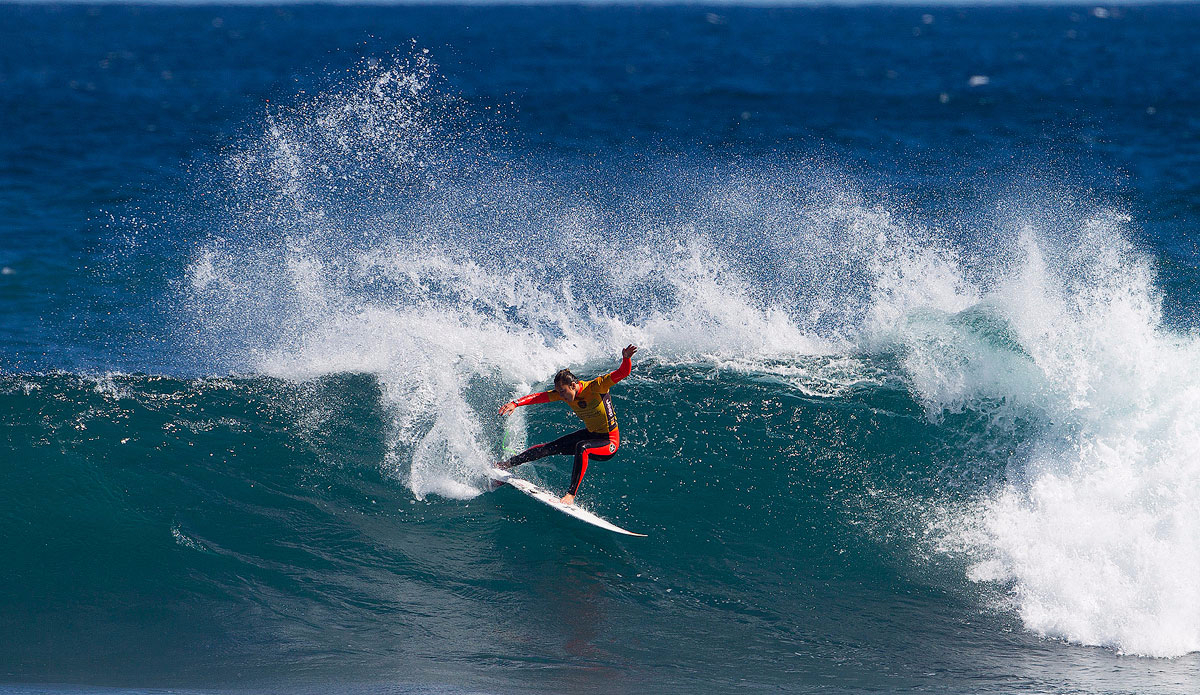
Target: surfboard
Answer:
[[545, 497]]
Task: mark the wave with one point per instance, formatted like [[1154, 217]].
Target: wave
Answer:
[[375, 230]]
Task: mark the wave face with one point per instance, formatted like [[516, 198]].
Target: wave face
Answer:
[[1053, 331], [870, 439]]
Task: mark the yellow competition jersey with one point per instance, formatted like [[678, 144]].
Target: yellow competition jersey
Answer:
[[593, 405]]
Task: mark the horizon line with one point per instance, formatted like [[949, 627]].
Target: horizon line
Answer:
[[761, 4]]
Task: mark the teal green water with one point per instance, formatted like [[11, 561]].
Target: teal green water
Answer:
[[240, 532], [247, 520]]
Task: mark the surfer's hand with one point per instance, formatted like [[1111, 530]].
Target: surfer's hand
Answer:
[[628, 351], [508, 408]]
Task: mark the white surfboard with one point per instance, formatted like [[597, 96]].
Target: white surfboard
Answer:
[[537, 493]]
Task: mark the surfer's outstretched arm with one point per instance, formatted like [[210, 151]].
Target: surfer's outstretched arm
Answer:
[[532, 398], [626, 366]]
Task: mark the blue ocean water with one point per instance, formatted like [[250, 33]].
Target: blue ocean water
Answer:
[[915, 408]]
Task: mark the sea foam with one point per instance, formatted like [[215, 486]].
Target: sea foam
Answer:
[[1096, 533]]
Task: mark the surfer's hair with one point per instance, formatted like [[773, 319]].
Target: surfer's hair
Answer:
[[565, 377]]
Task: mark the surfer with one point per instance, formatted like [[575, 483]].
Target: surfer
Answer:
[[589, 400]]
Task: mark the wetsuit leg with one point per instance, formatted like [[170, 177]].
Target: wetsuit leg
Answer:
[[600, 447], [563, 446]]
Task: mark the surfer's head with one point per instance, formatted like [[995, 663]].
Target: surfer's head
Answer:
[[566, 384]]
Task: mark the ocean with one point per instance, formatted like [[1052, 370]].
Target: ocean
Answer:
[[914, 410]]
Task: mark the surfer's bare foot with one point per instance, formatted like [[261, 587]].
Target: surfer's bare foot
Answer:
[[568, 499]]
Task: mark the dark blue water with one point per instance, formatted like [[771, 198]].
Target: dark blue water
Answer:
[[914, 410]]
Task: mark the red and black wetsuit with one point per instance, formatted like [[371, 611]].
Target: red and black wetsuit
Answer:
[[599, 439]]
